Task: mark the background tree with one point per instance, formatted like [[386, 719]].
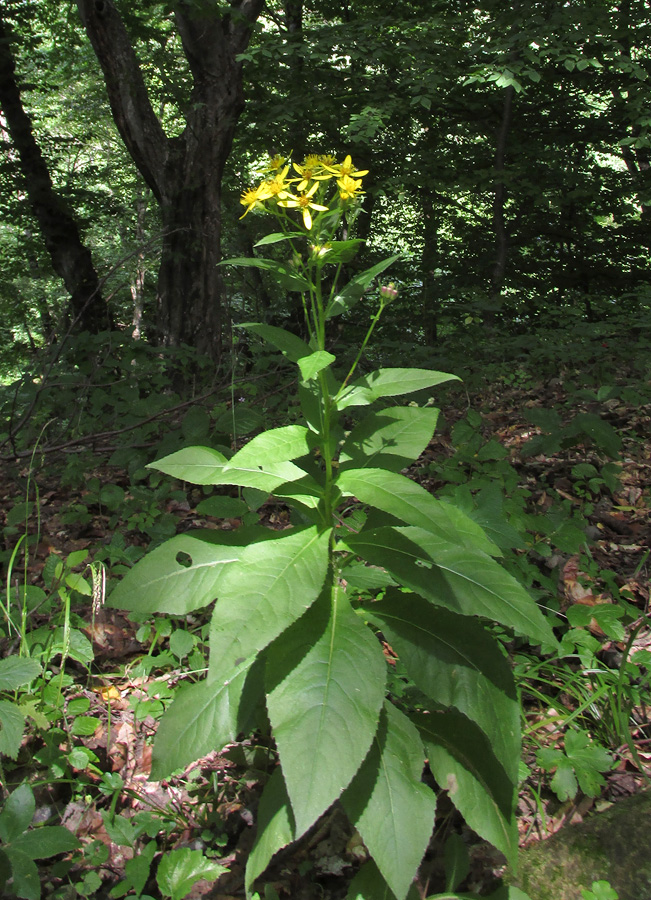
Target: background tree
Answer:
[[71, 259], [184, 171]]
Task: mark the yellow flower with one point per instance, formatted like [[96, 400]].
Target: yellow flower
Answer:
[[346, 168], [349, 188], [255, 197], [278, 186], [304, 202], [275, 163], [311, 170]]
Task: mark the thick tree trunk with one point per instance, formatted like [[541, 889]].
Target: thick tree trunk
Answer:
[[184, 172], [70, 258]]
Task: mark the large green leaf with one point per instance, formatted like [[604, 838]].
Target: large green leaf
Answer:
[[353, 291], [17, 813], [271, 585], [326, 680], [203, 465], [274, 446], [390, 439], [276, 828], [407, 500], [263, 463], [462, 580], [311, 365], [463, 762], [277, 237], [457, 663], [17, 670], [26, 883], [389, 383], [42, 843], [203, 717], [181, 868], [289, 344], [285, 274], [179, 576], [388, 804], [12, 725], [369, 884]]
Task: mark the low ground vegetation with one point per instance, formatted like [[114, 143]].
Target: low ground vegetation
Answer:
[[548, 451]]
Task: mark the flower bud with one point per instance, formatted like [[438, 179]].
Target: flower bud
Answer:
[[388, 292]]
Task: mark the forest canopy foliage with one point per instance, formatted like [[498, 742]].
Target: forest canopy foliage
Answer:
[[508, 147]]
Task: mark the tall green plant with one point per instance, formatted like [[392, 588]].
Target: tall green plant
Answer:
[[289, 633]]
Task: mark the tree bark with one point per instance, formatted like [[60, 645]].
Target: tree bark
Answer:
[[71, 260], [184, 172]]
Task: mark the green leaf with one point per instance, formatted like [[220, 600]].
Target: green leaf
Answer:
[[326, 680], [285, 274], [454, 661], [387, 803], [311, 365], [17, 813], [276, 827], [274, 446], [12, 725], [490, 515], [136, 870], [366, 578], [464, 763], [77, 582], [222, 507], [509, 892], [407, 500], [457, 860], [369, 884], [339, 251], [269, 588], [180, 869], [389, 383], [464, 581], [582, 762], [119, 829], [277, 237], [289, 344], [355, 288], [85, 725], [202, 465], [203, 717], [46, 841], [390, 439], [181, 643], [16, 671], [26, 883], [177, 577]]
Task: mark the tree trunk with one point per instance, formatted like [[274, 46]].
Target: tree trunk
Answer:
[[184, 172], [71, 260]]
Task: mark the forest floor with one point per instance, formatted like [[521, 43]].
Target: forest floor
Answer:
[[84, 774]]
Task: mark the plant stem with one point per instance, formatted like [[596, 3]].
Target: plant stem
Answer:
[[374, 321]]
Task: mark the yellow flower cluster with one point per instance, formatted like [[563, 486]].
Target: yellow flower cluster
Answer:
[[299, 192]]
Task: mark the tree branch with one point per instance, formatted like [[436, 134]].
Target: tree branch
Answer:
[[132, 111]]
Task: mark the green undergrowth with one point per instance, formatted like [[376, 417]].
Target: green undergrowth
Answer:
[[532, 487]]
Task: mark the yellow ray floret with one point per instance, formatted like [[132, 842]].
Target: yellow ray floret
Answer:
[[304, 202], [346, 168], [349, 188], [254, 197]]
